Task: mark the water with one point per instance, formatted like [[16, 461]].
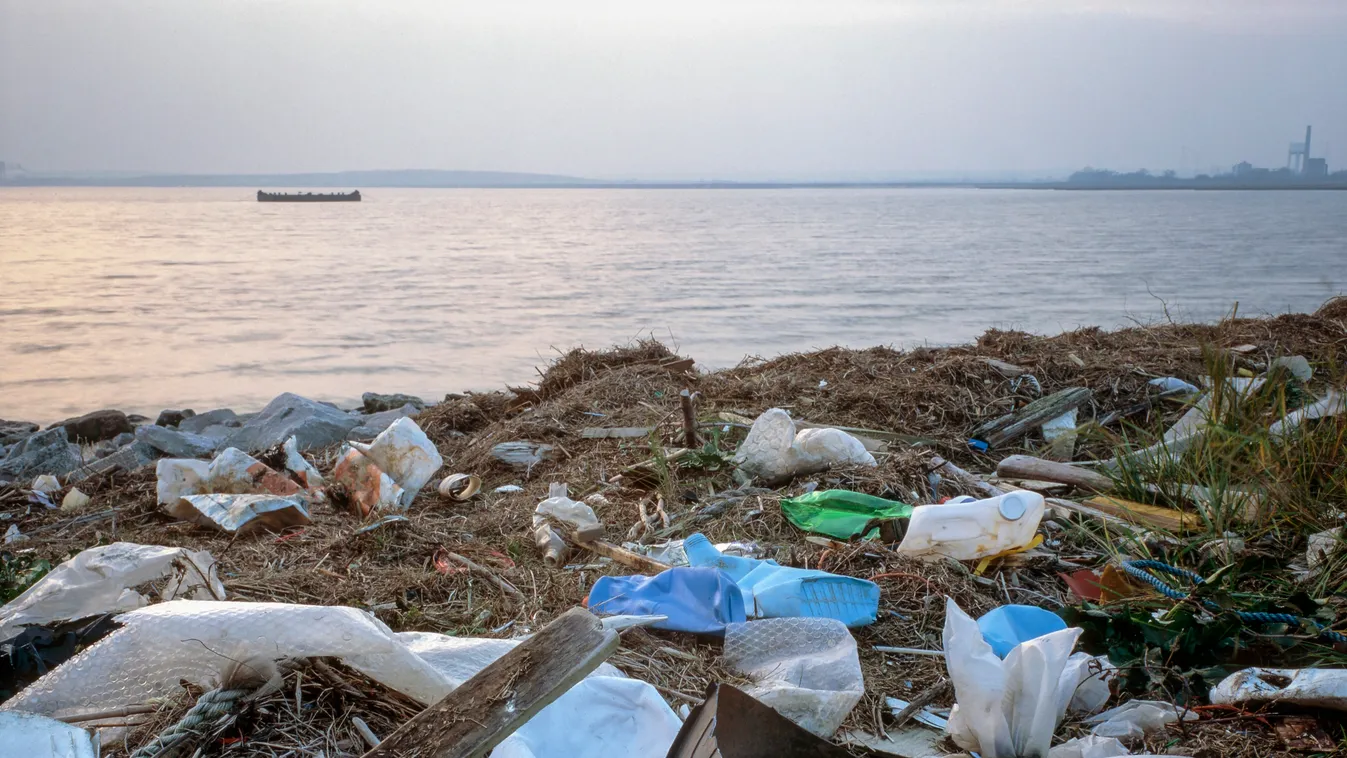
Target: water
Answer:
[[142, 299]]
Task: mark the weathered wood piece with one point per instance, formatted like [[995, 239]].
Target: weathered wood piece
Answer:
[[1029, 467], [689, 420], [963, 477], [621, 555], [618, 433], [489, 707], [1012, 426], [1154, 516]]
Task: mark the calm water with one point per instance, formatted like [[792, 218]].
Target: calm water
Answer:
[[149, 298]]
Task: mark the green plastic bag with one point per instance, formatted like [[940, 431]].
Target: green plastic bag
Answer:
[[841, 514]]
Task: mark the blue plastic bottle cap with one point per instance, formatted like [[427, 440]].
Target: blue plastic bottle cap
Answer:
[[1013, 506]]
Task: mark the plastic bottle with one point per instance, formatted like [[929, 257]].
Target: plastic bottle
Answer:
[[550, 543], [967, 529]]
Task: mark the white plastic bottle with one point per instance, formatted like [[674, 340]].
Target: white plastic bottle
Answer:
[[966, 529]]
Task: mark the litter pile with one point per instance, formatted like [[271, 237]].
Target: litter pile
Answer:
[[790, 557]]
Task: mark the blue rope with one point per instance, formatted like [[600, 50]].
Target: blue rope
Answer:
[[1142, 570]]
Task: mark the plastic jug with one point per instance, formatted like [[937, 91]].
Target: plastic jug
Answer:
[[967, 529], [774, 591]]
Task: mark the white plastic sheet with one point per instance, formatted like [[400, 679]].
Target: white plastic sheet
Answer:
[[1010, 708], [601, 717], [406, 454], [23, 734], [774, 452], [1137, 717], [1089, 746], [807, 669], [102, 580]]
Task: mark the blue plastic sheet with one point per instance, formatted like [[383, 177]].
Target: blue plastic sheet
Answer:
[[1005, 627], [697, 600]]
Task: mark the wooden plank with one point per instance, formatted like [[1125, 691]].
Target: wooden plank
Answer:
[[963, 477], [1146, 515], [1088, 511], [1029, 467], [619, 432], [489, 707], [1012, 426]]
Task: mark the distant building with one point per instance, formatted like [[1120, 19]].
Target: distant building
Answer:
[[1316, 168], [1243, 168], [2, 171]]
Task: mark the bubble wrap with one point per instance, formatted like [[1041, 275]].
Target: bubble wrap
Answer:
[[807, 669], [195, 640]]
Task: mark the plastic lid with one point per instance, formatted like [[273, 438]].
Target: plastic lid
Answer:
[[1013, 506]]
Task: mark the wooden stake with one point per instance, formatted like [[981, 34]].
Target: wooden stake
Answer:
[[689, 421]]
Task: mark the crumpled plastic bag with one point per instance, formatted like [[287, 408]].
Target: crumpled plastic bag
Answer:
[[406, 454], [102, 580], [1089, 677], [1089, 746], [1137, 717], [806, 669], [774, 452], [601, 717], [842, 514], [1010, 708], [1318, 688]]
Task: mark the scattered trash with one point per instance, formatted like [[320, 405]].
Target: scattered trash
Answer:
[[301, 469], [600, 717], [1174, 384], [1313, 687], [13, 535], [922, 715], [40, 737], [1060, 434], [697, 600], [521, 454], [1323, 546], [384, 521], [673, 553], [577, 515], [806, 669], [1296, 365], [842, 514], [771, 590], [1089, 746], [506, 489], [460, 487], [179, 477], [731, 724], [550, 544], [234, 472], [966, 529], [1007, 626], [406, 454], [240, 514], [364, 486], [1136, 718], [47, 484], [75, 500], [775, 452], [104, 579]]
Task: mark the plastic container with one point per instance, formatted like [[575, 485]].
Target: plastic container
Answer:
[[697, 600], [967, 529], [1005, 627]]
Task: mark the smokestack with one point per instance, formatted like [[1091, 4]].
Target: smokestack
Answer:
[[1306, 160]]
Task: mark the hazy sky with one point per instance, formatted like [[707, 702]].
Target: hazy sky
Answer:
[[677, 89]]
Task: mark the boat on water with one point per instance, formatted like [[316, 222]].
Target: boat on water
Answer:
[[308, 197]]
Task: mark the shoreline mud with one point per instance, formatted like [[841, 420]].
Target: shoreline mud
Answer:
[[655, 464]]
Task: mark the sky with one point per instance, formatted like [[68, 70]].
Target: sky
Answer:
[[693, 89]]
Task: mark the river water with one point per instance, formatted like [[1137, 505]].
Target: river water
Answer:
[[143, 299]]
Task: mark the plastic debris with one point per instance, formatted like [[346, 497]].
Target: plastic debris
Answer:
[[75, 500], [921, 716], [234, 472], [240, 514], [578, 515], [1317, 688], [1322, 546], [382, 522], [807, 669], [967, 529], [1007, 626], [12, 534], [406, 454], [46, 483], [673, 554], [1296, 365], [600, 717], [460, 487], [697, 600], [841, 514], [301, 469], [1010, 708], [365, 486], [771, 590], [521, 454], [1089, 746], [1089, 678], [775, 452], [1135, 718], [550, 544], [41, 737], [506, 489], [104, 580], [180, 477], [1174, 384]]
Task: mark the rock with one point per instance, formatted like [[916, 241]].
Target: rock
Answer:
[[131, 457], [48, 452], [219, 417], [218, 432], [96, 426], [175, 443], [108, 447], [521, 454], [173, 418], [14, 431], [124, 439], [375, 403], [136, 419], [312, 425], [374, 423]]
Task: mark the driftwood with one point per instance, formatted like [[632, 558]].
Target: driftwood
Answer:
[[963, 477], [618, 433], [689, 420], [1012, 426], [621, 555], [1154, 516], [490, 706], [1029, 467]]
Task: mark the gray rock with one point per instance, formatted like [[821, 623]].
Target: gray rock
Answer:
[[374, 423], [218, 417], [521, 454], [13, 431], [122, 440], [136, 419], [218, 432], [48, 452], [108, 447], [96, 426], [130, 458], [312, 424], [173, 418], [375, 403], [175, 443]]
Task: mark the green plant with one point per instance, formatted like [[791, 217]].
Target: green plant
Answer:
[[18, 573]]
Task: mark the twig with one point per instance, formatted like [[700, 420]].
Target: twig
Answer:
[[907, 650], [123, 712], [680, 695], [505, 586], [366, 733], [927, 696]]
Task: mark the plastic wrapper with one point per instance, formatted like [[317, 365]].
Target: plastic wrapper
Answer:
[[672, 552], [295, 463], [1088, 679], [841, 514], [406, 455], [1317, 688], [971, 529], [367, 488], [1010, 708], [240, 514], [562, 508], [1089, 746], [180, 477], [235, 472], [774, 452], [1137, 717], [30, 736], [102, 580], [807, 669]]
